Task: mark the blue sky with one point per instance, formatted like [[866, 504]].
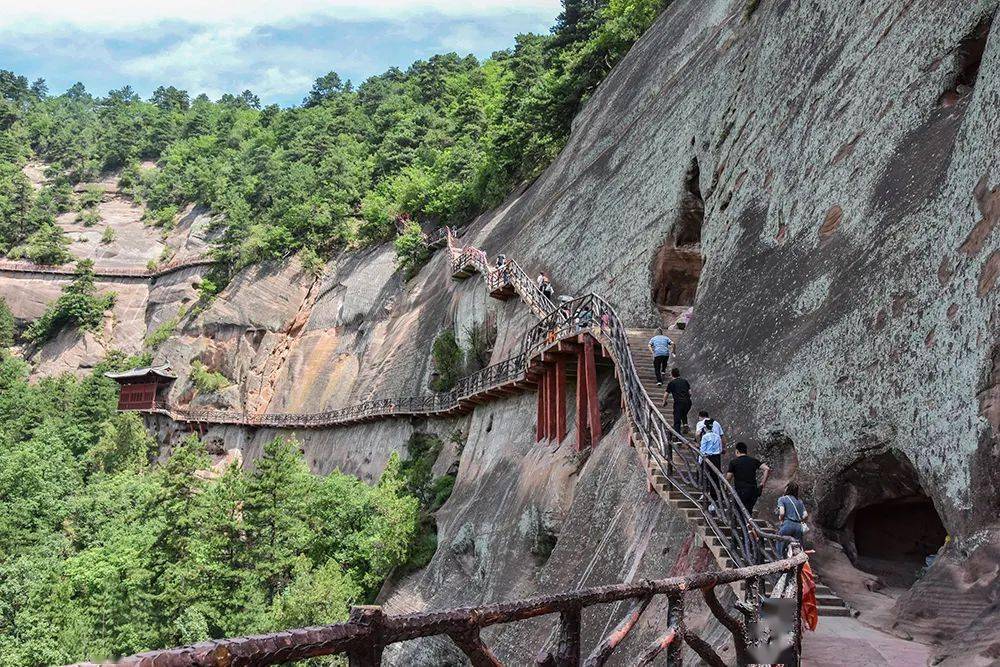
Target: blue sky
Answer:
[[274, 47]]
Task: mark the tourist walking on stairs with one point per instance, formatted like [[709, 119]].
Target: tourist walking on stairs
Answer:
[[792, 514], [545, 285], [742, 473], [680, 389], [710, 449], [700, 427], [660, 346]]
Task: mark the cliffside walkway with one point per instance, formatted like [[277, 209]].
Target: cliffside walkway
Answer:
[[744, 548], [112, 272]]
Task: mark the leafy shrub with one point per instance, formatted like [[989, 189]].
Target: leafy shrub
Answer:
[[163, 217], [207, 381], [422, 450], [7, 328], [312, 263], [91, 196], [160, 334], [441, 490], [89, 217], [48, 245], [207, 288], [79, 306], [411, 249], [481, 336], [108, 236], [446, 357]]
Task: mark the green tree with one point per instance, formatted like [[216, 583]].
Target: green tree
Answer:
[[274, 514], [7, 326], [79, 305]]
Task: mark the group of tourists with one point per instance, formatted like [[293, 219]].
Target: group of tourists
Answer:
[[747, 474], [743, 470]]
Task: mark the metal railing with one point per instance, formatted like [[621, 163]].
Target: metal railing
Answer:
[[364, 637]]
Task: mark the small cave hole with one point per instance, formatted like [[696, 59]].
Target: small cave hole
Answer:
[[677, 265], [895, 537], [968, 59]]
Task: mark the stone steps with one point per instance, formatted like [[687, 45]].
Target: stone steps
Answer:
[[828, 603]]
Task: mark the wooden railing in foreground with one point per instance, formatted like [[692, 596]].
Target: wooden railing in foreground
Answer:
[[105, 271], [364, 637]]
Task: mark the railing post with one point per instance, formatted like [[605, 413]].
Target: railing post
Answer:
[[368, 652], [670, 457], [675, 619], [568, 653]]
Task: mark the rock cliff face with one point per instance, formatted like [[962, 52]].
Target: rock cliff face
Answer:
[[819, 181]]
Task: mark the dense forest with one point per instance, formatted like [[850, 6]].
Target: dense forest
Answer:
[[113, 547], [437, 143], [107, 552]]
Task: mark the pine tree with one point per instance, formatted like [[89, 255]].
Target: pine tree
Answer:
[[274, 514]]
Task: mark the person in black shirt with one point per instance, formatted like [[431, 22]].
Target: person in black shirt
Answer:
[[742, 474], [680, 389]]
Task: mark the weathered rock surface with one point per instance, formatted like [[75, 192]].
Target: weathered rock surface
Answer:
[[841, 164]]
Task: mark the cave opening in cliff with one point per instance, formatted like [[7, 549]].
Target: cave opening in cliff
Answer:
[[895, 537], [883, 518], [678, 262]]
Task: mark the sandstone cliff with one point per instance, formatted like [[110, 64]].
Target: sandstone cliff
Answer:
[[821, 182]]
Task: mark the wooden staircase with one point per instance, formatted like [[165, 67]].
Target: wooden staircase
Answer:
[[828, 602]]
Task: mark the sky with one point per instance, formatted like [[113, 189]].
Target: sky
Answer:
[[276, 48]]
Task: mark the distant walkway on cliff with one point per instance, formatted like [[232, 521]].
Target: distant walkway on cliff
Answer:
[[107, 272]]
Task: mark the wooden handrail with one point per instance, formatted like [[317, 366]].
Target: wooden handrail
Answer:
[[369, 630]]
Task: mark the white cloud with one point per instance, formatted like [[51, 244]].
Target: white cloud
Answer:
[[219, 60], [41, 16]]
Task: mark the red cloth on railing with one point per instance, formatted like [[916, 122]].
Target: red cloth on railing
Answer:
[[810, 609]]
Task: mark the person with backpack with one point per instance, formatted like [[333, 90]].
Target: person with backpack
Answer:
[[742, 473], [680, 389], [710, 448], [660, 345], [792, 514], [716, 427]]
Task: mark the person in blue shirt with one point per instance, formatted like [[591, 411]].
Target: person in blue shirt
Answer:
[[710, 449], [660, 346]]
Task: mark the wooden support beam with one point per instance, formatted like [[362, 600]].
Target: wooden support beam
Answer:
[[478, 653], [368, 654]]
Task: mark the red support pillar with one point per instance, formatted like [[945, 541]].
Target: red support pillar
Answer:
[[582, 427], [593, 410], [551, 396], [541, 413], [559, 373]]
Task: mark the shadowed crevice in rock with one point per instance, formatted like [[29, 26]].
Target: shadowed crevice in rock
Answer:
[[677, 266], [968, 60]]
